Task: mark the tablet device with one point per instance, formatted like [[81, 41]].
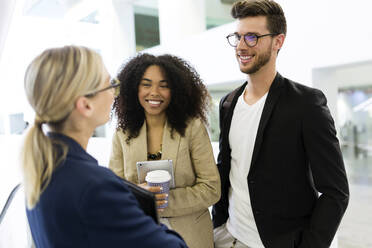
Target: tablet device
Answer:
[[145, 166], [146, 200]]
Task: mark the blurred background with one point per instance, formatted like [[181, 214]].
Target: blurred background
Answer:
[[328, 46]]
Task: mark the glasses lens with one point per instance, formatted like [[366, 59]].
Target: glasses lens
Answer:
[[233, 39], [115, 83], [250, 39]]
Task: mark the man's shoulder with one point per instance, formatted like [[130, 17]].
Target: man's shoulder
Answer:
[[230, 95], [300, 91]]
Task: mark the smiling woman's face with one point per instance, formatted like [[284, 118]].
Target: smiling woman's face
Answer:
[[154, 93]]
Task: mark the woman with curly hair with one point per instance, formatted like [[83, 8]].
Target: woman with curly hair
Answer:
[[161, 111]]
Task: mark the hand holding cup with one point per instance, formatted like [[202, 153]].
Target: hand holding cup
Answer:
[[160, 198], [159, 181]]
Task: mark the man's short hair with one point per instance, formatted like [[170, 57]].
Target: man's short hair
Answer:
[[276, 22]]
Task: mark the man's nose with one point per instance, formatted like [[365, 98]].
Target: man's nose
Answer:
[[241, 43]]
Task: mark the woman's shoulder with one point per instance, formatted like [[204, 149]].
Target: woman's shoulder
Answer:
[[120, 135], [119, 132], [103, 178], [72, 179], [195, 123], [83, 171]]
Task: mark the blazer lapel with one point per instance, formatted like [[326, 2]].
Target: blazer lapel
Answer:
[[270, 103], [138, 147], [229, 106], [170, 146]]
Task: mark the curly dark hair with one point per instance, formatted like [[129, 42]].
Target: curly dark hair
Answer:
[[189, 96]]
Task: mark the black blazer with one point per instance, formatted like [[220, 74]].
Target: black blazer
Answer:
[[296, 155]]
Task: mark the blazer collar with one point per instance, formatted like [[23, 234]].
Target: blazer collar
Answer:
[[74, 149], [231, 100], [271, 100], [170, 145], [138, 145], [229, 105]]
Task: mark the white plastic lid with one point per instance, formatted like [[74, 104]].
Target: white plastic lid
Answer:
[[158, 176]]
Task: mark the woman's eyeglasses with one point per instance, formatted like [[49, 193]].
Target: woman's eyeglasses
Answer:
[[114, 84]]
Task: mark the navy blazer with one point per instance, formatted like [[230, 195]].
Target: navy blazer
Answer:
[[296, 155], [86, 205]]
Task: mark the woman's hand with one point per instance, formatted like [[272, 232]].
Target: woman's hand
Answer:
[[160, 198]]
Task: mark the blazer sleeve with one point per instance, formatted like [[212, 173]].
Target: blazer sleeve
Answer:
[[207, 188], [112, 218], [116, 163], [326, 163]]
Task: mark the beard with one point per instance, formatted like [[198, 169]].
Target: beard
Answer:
[[261, 60]]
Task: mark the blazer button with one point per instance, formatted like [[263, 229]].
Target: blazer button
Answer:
[[251, 181]]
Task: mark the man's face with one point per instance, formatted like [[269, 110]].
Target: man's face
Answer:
[[252, 59]]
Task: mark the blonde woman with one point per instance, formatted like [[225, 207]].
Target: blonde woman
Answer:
[[71, 201], [161, 112]]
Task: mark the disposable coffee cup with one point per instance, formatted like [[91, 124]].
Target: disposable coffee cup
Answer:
[[159, 178]]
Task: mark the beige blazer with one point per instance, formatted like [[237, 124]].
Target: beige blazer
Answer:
[[196, 177]]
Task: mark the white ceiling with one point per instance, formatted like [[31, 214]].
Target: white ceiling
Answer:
[[216, 11]]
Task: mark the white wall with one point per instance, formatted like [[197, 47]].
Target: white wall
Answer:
[[28, 37], [330, 79], [320, 33], [6, 12]]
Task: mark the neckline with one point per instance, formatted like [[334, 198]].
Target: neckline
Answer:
[[155, 156], [262, 98]]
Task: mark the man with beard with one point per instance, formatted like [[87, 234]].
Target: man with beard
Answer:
[[282, 175]]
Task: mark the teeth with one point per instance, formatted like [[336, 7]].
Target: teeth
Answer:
[[245, 57], [154, 102]]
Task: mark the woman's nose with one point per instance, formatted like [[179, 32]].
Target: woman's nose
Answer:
[[154, 91]]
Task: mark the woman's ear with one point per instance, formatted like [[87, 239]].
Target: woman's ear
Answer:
[[84, 106]]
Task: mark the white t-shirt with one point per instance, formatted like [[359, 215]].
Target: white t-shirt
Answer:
[[242, 136]]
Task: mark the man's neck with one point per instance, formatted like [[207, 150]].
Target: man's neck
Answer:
[[259, 84]]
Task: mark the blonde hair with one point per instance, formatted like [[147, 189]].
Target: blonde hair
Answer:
[[53, 81]]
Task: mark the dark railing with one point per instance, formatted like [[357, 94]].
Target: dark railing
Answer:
[[8, 202]]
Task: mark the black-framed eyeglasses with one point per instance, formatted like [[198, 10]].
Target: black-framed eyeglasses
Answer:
[[250, 39], [114, 84]]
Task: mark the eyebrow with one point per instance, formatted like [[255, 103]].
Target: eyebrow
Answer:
[[249, 33], [149, 80]]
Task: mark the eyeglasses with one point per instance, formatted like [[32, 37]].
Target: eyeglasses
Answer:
[[249, 39], [115, 84]]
